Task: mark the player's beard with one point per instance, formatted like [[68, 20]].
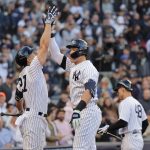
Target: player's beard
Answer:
[[73, 60]]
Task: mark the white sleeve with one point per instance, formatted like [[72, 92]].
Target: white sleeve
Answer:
[[58, 57], [54, 50], [124, 111]]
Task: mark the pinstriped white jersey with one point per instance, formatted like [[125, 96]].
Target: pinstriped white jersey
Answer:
[[79, 75], [131, 111], [33, 84]]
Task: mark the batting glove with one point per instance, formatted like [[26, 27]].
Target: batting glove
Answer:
[[103, 130], [51, 14], [75, 120]]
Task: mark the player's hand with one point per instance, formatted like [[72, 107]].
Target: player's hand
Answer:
[[103, 130], [51, 14], [75, 120]]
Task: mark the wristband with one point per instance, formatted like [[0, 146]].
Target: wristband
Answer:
[[81, 105]]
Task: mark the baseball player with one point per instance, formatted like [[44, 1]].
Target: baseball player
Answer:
[[32, 88], [83, 80], [132, 121]]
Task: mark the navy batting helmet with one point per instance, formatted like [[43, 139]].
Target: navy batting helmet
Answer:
[[82, 48], [124, 83], [22, 55]]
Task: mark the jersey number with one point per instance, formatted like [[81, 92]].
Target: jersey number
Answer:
[[22, 82], [138, 110]]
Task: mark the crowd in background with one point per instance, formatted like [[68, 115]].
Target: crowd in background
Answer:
[[118, 35]]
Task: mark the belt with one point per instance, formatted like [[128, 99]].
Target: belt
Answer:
[[133, 132], [39, 113]]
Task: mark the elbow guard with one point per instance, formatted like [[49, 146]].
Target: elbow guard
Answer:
[[91, 86], [18, 95]]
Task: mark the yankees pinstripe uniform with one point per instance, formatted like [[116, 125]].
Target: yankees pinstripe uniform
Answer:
[[132, 121], [35, 95], [91, 115], [134, 114], [33, 89]]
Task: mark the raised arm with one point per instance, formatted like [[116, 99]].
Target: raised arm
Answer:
[[44, 41], [54, 50]]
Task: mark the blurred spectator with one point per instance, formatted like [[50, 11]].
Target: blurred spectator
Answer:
[[64, 97], [137, 91], [3, 67], [146, 100], [110, 109], [6, 87], [6, 136], [1, 80], [55, 136], [145, 84], [64, 128], [76, 8], [68, 111], [11, 109], [2, 102], [105, 86], [17, 137], [107, 6]]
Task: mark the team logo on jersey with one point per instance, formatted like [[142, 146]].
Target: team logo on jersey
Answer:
[[76, 75]]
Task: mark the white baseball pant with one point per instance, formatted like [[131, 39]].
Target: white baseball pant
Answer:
[[132, 142], [33, 133], [89, 123]]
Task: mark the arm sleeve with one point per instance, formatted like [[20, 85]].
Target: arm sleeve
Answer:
[[58, 57], [124, 111], [119, 124], [18, 95], [144, 116], [55, 52], [144, 125]]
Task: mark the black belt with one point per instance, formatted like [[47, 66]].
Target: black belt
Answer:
[[39, 113], [133, 132], [122, 135]]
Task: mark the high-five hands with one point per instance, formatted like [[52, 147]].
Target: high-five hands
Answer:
[[51, 14]]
